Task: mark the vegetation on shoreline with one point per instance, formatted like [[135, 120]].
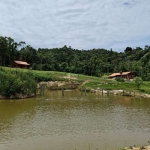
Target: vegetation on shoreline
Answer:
[[32, 77], [16, 84]]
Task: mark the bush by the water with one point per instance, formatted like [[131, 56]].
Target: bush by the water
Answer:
[[16, 82], [138, 81]]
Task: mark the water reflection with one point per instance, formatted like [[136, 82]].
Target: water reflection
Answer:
[[73, 121]]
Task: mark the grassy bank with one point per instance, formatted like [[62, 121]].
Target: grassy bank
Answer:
[[88, 82]]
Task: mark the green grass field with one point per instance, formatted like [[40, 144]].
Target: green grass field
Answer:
[[90, 82]]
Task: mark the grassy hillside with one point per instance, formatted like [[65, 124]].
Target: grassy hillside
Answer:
[[88, 82]]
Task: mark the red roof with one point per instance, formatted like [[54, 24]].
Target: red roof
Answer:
[[119, 74], [21, 63]]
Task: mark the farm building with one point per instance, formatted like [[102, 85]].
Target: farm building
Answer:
[[21, 64], [124, 75]]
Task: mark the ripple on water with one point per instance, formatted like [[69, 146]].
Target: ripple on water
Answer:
[[89, 119]]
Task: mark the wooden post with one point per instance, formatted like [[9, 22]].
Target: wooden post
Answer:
[[85, 91], [98, 91], [102, 91], [42, 88], [62, 91], [123, 92], [107, 93]]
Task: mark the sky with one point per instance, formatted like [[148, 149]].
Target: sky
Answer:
[[81, 24]]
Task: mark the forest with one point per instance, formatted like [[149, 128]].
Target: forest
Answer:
[[92, 62]]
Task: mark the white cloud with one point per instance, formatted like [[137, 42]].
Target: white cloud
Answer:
[[81, 24]]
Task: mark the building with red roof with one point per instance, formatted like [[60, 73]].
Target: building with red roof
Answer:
[[21, 64], [124, 75]]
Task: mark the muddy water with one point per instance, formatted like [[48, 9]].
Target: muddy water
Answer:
[[75, 121]]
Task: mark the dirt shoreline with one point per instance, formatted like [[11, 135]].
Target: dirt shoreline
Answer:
[[58, 85], [122, 93], [136, 148]]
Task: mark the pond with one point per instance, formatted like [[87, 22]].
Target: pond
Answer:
[[74, 121]]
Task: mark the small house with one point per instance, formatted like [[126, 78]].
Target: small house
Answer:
[[21, 64], [123, 75]]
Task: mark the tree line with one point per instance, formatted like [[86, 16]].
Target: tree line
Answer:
[[93, 62]]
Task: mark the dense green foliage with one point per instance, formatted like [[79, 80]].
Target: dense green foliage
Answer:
[[16, 82], [119, 79], [94, 62], [138, 81]]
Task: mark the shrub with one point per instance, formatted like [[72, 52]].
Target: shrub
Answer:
[[14, 82], [119, 79], [138, 81]]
